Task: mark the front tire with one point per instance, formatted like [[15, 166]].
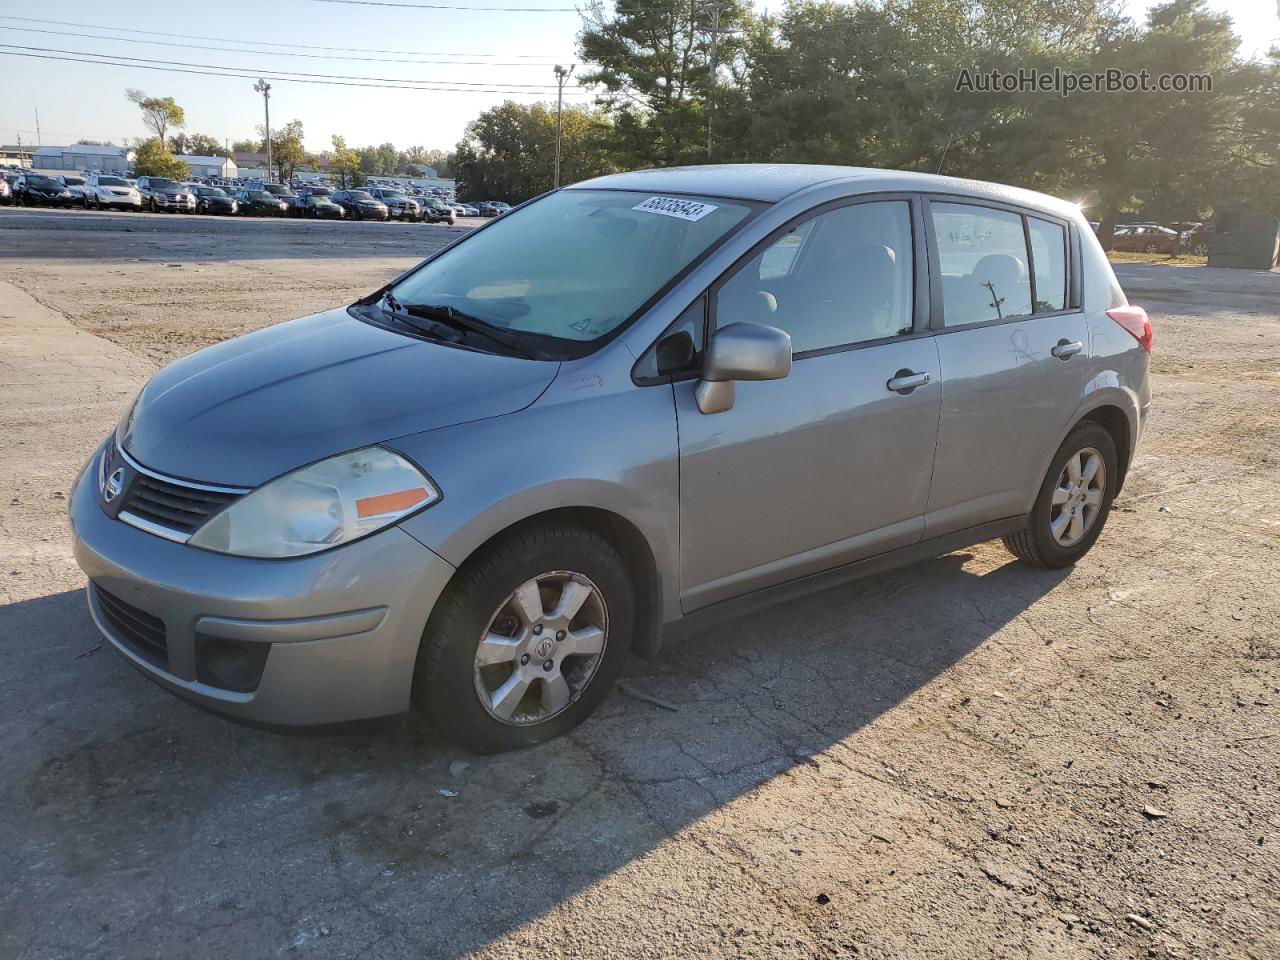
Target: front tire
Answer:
[[527, 639], [1074, 501]]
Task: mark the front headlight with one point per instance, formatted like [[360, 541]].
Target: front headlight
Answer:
[[320, 506]]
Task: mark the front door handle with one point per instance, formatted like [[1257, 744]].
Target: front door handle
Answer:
[[904, 381], [1066, 349]]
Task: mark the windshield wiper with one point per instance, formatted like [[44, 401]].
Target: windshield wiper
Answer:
[[451, 317]]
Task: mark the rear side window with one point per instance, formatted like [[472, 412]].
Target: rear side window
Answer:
[[843, 277], [983, 257], [1049, 260]]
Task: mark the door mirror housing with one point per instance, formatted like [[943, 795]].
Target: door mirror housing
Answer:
[[741, 351]]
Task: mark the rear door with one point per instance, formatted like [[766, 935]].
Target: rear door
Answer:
[[830, 464], [1013, 345]]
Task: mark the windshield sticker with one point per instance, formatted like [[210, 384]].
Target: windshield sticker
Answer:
[[671, 207]]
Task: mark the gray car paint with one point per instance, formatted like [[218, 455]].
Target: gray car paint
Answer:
[[720, 504], [246, 410]]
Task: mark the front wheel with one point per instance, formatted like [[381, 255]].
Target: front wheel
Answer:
[[1074, 501], [527, 639]]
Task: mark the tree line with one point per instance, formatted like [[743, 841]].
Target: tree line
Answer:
[[879, 83]]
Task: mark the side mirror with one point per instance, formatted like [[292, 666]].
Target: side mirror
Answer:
[[741, 351]]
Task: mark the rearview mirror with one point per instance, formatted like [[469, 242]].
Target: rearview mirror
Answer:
[[741, 351]]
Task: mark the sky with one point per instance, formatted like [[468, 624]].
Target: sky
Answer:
[[482, 56]]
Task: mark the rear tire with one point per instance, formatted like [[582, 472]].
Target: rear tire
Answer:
[[478, 604], [1037, 544]]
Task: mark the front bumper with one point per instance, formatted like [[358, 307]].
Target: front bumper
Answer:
[[342, 626], [115, 200]]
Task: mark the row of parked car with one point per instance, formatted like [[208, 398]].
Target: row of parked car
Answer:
[[253, 198]]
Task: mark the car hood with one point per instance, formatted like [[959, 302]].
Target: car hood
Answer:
[[246, 410]]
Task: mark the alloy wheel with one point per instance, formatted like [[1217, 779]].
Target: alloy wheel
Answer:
[[1077, 497], [541, 648]]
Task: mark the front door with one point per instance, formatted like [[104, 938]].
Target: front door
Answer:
[[829, 464]]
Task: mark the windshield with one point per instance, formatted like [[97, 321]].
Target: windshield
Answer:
[[574, 265], [360, 195], [162, 183], [111, 182], [40, 181], [210, 192], [73, 181], [394, 194], [278, 190]]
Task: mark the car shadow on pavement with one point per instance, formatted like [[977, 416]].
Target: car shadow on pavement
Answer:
[[145, 826]]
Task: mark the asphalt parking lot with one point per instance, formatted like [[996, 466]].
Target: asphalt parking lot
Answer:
[[968, 758]]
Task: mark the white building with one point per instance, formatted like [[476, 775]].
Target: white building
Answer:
[[210, 166], [83, 156]]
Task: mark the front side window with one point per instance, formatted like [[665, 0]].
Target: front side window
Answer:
[[983, 256], [574, 265], [843, 277]]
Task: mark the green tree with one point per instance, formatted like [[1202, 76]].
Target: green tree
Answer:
[[287, 149], [158, 114], [153, 160], [651, 59], [508, 152], [346, 163], [197, 144], [249, 146]]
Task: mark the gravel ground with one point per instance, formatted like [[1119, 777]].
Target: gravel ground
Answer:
[[967, 758]]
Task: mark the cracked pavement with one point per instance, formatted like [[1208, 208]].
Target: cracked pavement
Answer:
[[966, 758]]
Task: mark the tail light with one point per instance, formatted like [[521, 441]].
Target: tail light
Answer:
[[1135, 320]]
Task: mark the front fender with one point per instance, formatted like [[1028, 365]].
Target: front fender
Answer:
[[592, 441]]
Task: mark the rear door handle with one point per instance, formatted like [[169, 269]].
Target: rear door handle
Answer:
[[904, 381], [1066, 349]]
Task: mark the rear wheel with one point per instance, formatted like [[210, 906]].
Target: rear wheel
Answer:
[[1074, 501], [527, 639], [1201, 249]]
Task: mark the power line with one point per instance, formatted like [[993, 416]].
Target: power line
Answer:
[[286, 73], [256, 74], [277, 53], [448, 6], [267, 43]]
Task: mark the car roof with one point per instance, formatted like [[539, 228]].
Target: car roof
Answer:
[[772, 182]]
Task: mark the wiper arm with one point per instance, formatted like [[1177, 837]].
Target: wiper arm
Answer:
[[442, 313]]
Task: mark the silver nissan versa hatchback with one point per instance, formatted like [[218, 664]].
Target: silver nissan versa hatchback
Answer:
[[616, 414]]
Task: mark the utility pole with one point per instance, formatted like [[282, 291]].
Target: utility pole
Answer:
[[39, 138], [264, 88], [562, 74], [714, 9]]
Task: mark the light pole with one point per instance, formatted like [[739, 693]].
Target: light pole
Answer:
[[562, 74], [264, 88]]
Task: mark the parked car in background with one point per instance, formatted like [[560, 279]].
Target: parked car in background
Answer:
[[437, 211], [277, 190], [317, 206], [260, 203], [335, 518], [1196, 239], [361, 205], [1145, 238], [74, 184], [103, 190], [215, 200], [493, 208], [400, 206], [35, 189], [6, 191], [163, 193]]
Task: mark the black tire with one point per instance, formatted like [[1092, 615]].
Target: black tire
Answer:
[[1036, 544], [444, 682]]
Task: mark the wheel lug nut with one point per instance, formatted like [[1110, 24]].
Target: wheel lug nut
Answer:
[[560, 634], [548, 665], [537, 628], [524, 660]]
